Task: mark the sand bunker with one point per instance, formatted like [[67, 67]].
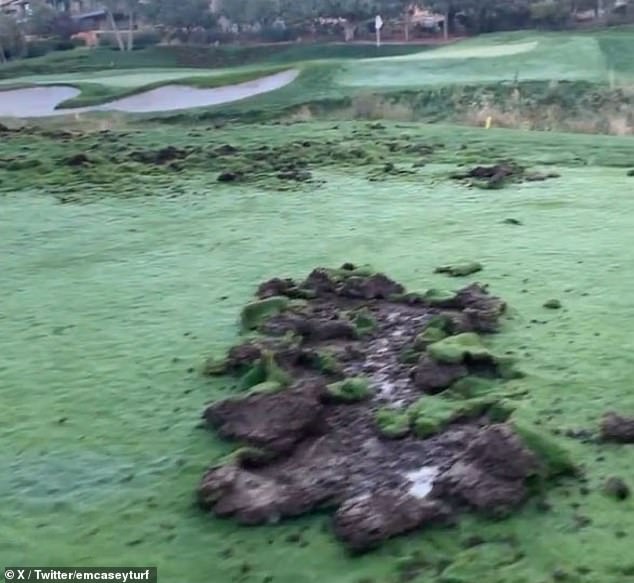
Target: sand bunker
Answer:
[[42, 101], [34, 101]]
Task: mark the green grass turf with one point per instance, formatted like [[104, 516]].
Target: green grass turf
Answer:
[[108, 306]]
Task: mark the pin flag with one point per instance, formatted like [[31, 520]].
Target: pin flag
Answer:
[[378, 25]]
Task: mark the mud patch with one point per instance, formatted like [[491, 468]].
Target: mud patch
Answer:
[[333, 415], [500, 174], [617, 428]]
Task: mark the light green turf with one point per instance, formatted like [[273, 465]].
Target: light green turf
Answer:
[[486, 59], [106, 306]]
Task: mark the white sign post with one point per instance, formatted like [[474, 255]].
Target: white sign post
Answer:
[[378, 25]]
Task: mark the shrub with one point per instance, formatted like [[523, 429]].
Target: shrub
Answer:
[[146, 38]]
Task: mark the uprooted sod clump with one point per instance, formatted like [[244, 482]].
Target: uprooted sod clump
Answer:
[[386, 406], [501, 174]]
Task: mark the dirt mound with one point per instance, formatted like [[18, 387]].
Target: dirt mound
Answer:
[[364, 522], [77, 160], [272, 421], [498, 175], [161, 156], [492, 473], [358, 396], [617, 428]]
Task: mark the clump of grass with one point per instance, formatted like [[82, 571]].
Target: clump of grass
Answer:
[[556, 460], [326, 362], [455, 349], [460, 269], [265, 370], [431, 414], [349, 390], [392, 423], [255, 313], [364, 321]]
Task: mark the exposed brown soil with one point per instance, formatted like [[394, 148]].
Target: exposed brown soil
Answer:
[[309, 446]]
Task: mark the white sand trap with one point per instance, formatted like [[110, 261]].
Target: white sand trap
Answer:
[[485, 52], [42, 101], [34, 101]]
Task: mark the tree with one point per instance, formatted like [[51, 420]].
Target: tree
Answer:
[[354, 12], [399, 9], [250, 12], [41, 19], [44, 20], [182, 15], [12, 42]]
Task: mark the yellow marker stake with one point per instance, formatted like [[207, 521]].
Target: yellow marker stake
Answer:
[[487, 125]]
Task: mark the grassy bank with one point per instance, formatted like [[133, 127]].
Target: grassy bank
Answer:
[[87, 60]]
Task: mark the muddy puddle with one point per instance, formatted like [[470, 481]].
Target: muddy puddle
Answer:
[[42, 101]]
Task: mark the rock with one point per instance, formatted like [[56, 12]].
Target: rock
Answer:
[[432, 376], [617, 428], [630, 172], [362, 523], [552, 304], [512, 221], [616, 488], [272, 421]]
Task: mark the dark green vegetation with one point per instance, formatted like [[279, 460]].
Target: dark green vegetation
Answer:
[[85, 61]]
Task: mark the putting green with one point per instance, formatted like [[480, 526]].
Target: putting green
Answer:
[[467, 52], [578, 57]]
